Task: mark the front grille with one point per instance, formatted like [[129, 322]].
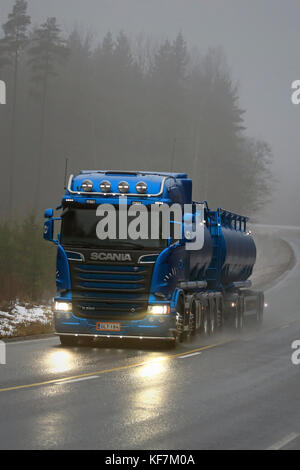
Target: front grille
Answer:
[[106, 291]]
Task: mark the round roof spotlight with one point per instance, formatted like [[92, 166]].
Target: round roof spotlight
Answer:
[[123, 187], [87, 186], [105, 186], [141, 187]]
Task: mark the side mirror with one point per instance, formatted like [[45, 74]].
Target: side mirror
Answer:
[[49, 227], [48, 213], [48, 230]]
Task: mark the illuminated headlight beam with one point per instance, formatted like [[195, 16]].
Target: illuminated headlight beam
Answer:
[[159, 309], [62, 306]]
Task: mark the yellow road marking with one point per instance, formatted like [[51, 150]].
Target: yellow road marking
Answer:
[[107, 371]]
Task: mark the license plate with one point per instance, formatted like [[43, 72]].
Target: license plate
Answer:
[[108, 326]]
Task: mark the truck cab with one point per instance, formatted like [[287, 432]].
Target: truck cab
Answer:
[[117, 287]]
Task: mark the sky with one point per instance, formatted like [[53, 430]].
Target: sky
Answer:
[[261, 39]]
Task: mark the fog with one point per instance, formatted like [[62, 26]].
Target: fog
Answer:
[[261, 41]]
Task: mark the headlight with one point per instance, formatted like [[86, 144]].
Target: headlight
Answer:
[[62, 306], [159, 309]]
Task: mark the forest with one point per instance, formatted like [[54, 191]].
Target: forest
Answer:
[[119, 102]]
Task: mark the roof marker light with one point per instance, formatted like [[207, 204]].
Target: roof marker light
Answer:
[[105, 187], [87, 186], [123, 187], [141, 187]]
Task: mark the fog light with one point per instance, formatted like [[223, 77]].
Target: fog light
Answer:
[[62, 306], [159, 309]]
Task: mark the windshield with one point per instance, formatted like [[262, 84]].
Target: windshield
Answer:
[[79, 230]]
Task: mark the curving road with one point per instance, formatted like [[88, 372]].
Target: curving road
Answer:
[[232, 392]]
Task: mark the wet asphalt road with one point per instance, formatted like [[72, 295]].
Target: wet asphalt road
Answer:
[[228, 392]]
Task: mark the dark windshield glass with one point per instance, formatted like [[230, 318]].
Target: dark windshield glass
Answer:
[[79, 229]]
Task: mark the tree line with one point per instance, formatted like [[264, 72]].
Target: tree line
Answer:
[[120, 103]]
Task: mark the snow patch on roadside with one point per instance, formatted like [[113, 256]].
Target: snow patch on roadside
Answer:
[[23, 317]]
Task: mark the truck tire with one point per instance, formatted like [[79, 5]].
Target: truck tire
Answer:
[[240, 313], [212, 317], [68, 340], [180, 320], [193, 318], [260, 310], [238, 320], [220, 314], [205, 322], [171, 343]]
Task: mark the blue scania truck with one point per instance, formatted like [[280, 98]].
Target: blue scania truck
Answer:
[[150, 288]]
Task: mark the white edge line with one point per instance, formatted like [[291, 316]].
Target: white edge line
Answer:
[[286, 440], [28, 341], [189, 355]]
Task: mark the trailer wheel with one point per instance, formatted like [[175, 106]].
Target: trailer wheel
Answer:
[[260, 310], [212, 317], [68, 340], [180, 320], [193, 318], [205, 322], [237, 325], [220, 314]]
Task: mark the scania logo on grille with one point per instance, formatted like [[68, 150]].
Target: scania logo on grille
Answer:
[[110, 256]]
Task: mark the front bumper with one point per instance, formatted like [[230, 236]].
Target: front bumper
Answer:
[[151, 326]]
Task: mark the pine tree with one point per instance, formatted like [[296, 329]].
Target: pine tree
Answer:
[[47, 51], [12, 45], [181, 58]]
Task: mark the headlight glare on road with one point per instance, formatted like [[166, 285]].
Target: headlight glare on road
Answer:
[[159, 309], [62, 306]]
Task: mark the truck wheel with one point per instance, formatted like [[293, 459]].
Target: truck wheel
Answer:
[[193, 319], [212, 317], [220, 315], [237, 320], [239, 315], [260, 310], [205, 323], [68, 340], [180, 320], [171, 343]]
